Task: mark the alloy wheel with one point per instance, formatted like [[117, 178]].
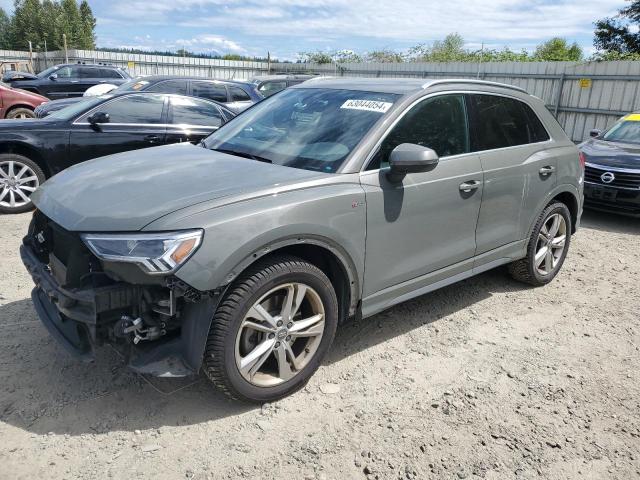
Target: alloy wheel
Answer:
[[551, 243], [17, 183], [280, 334]]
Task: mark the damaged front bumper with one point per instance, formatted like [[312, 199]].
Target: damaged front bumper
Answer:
[[160, 328]]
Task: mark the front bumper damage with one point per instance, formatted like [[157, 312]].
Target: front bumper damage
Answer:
[[159, 325]]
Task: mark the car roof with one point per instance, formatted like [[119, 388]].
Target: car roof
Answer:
[[159, 78], [401, 86], [282, 76], [97, 65], [114, 94]]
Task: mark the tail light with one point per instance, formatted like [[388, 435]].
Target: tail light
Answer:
[[582, 159]]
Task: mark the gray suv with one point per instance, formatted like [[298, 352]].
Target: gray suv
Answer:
[[327, 201]]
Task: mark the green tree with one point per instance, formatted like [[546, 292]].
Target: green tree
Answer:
[[88, 26], [26, 24], [557, 50], [5, 30], [619, 37], [68, 23], [384, 56]]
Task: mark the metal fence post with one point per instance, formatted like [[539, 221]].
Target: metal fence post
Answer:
[[558, 95]]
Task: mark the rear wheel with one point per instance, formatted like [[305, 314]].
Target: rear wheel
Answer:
[[272, 330], [19, 177], [20, 113], [548, 247]]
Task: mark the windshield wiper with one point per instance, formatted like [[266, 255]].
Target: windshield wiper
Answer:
[[243, 155]]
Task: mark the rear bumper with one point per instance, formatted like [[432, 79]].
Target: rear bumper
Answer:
[[611, 199]]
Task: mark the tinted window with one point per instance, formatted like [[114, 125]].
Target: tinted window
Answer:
[[269, 88], [67, 72], [169, 86], [439, 123], [191, 111], [238, 94], [212, 91], [88, 72], [109, 73], [143, 109], [505, 122]]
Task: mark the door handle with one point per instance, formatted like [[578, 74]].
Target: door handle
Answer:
[[469, 186], [548, 170], [152, 138]]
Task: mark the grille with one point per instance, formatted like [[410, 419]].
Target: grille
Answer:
[[622, 179]]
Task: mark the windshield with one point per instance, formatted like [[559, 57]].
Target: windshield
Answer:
[[312, 128], [47, 72], [75, 109], [626, 130]]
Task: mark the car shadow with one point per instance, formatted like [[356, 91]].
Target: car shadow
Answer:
[[46, 390], [610, 222]]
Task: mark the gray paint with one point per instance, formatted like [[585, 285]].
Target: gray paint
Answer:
[[395, 241]]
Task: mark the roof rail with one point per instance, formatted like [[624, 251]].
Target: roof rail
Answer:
[[476, 82]]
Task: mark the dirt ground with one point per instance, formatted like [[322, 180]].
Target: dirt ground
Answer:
[[486, 378]]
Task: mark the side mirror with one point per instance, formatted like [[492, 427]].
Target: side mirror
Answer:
[[53, 77], [410, 158], [98, 117], [595, 132]]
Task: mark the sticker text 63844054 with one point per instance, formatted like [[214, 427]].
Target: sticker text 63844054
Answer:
[[368, 105]]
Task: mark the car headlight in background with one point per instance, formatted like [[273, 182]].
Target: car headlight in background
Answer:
[[157, 253]]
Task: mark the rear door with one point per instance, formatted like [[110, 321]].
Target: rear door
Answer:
[[518, 171], [192, 119], [135, 121]]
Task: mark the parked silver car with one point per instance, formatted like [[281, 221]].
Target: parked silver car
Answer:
[[330, 200]]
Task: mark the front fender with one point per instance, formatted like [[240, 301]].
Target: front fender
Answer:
[[332, 216]]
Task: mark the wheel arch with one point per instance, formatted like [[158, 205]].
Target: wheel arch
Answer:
[[570, 200], [567, 194], [18, 105], [324, 254], [28, 151]]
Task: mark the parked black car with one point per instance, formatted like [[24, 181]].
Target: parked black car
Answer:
[[237, 96], [612, 168], [68, 80], [33, 150], [267, 85]]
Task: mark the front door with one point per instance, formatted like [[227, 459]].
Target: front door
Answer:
[[427, 221], [135, 121]]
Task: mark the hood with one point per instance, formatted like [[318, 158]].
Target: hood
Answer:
[[611, 154], [13, 75], [23, 93], [127, 191]]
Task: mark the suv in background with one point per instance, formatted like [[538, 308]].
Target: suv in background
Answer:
[[267, 85], [67, 80], [240, 256], [236, 96]]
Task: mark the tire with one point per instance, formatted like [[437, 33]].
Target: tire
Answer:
[[541, 271], [20, 113], [14, 169], [232, 344]]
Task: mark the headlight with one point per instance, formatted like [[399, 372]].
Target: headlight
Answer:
[[157, 253]]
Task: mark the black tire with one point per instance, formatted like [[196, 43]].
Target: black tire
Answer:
[[524, 270], [220, 354], [19, 162], [20, 113]]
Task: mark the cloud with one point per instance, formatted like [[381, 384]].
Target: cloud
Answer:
[[211, 43]]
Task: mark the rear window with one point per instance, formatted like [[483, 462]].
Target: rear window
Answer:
[[505, 122]]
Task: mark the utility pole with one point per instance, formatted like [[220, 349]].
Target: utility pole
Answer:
[[31, 55], [46, 60], [66, 52]]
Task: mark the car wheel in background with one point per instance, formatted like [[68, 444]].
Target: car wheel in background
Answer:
[[547, 249], [271, 330], [19, 177], [20, 113]]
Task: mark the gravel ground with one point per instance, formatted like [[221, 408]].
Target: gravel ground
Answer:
[[486, 378]]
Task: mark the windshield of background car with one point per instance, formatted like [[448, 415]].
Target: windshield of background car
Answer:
[[627, 130], [132, 85], [76, 109], [311, 128], [47, 72]]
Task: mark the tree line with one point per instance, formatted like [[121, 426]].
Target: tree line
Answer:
[[40, 21]]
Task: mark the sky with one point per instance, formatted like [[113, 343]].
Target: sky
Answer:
[[287, 27]]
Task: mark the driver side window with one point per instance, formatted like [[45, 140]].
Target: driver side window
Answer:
[[439, 123]]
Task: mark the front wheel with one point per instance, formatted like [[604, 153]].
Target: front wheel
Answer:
[[272, 330], [20, 113], [548, 247], [19, 178]]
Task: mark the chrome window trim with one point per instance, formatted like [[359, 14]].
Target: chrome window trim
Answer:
[[452, 92]]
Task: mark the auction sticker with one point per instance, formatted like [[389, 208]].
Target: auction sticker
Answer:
[[368, 105]]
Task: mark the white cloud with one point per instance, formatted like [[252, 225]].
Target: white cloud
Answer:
[[211, 43]]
